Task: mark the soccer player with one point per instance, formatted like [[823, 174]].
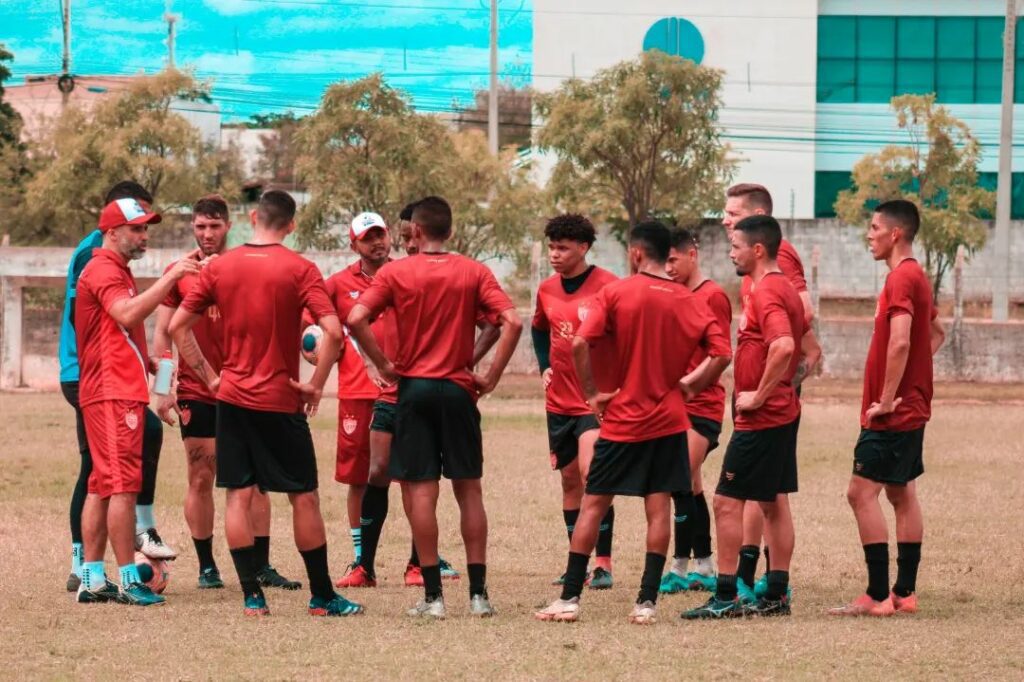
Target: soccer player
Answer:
[[113, 394], [563, 301], [742, 201], [196, 408], [437, 298], [647, 327], [760, 461], [262, 434], [706, 411], [147, 539], [894, 411]]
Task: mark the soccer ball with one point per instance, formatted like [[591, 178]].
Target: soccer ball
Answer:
[[154, 572], [312, 337]]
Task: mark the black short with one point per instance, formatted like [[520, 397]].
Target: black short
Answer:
[[383, 417], [273, 450], [564, 433], [890, 457], [197, 419], [759, 465], [659, 465], [709, 429], [437, 432]]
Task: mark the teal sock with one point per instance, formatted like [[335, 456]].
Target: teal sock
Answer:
[[93, 575], [77, 556], [357, 542], [144, 519], [129, 575]]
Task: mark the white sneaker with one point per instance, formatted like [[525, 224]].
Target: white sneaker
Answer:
[[642, 614], [705, 566], [149, 543], [562, 610], [480, 606], [428, 609]]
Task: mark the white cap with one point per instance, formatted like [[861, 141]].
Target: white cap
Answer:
[[363, 223]]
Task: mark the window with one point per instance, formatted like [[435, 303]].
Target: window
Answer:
[[675, 36], [873, 58]]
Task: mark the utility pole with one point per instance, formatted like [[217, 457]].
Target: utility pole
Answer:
[[492, 99], [171, 19], [1001, 272], [65, 67]]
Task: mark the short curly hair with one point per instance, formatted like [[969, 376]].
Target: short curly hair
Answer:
[[571, 226]]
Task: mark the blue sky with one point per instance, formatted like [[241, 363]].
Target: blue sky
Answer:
[[276, 55]]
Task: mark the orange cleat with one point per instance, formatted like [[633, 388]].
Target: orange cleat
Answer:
[[356, 576], [906, 604], [413, 576], [864, 605]]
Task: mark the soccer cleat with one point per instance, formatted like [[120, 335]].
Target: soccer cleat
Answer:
[[447, 572], [698, 582], [73, 582], [761, 586], [480, 606], [906, 604], [601, 579], [560, 580], [560, 610], [209, 579], [269, 577], [744, 593], [864, 605], [767, 607], [642, 614], [138, 594], [356, 576], [149, 543], [714, 608], [671, 583], [335, 606], [256, 604], [107, 593], [428, 609], [413, 576]]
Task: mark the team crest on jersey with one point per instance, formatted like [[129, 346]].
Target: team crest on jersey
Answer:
[[349, 424], [131, 292], [565, 329], [729, 475], [186, 416], [582, 311], [353, 294], [131, 420], [213, 312]]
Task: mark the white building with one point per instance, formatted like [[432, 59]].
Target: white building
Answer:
[[807, 82]]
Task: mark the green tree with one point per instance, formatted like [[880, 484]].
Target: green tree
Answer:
[[515, 115], [278, 149], [10, 121], [640, 138], [135, 134], [365, 149], [938, 171]]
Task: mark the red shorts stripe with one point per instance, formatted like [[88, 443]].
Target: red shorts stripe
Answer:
[[114, 431]]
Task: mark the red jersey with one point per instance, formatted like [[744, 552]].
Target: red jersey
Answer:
[[261, 290], [710, 403], [437, 300], [773, 311], [114, 361], [345, 288], [651, 327], [561, 313], [209, 334], [907, 291]]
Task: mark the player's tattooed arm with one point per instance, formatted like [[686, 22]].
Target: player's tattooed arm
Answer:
[[359, 327], [180, 329], [810, 350]]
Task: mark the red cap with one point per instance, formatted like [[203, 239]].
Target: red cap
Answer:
[[127, 212]]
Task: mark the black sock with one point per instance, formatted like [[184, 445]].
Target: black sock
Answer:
[[767, 559], [372, 515], [876, 556], [778, 581], [244, 559], [654, 564], [908, 556], [683, 521], [604, 535], [316, 568], [701, 527], [477, 579], [748, 563], [575, 574], [432, 582], [414, 558], [262, 545], [204, 551], [570, 516], [726, 590]]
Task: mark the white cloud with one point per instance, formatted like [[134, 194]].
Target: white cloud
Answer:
[[232, 7], [213, 63]]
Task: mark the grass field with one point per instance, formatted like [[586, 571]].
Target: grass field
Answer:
[[970, 585]]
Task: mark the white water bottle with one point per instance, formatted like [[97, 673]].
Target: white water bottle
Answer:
[[164, 373]]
